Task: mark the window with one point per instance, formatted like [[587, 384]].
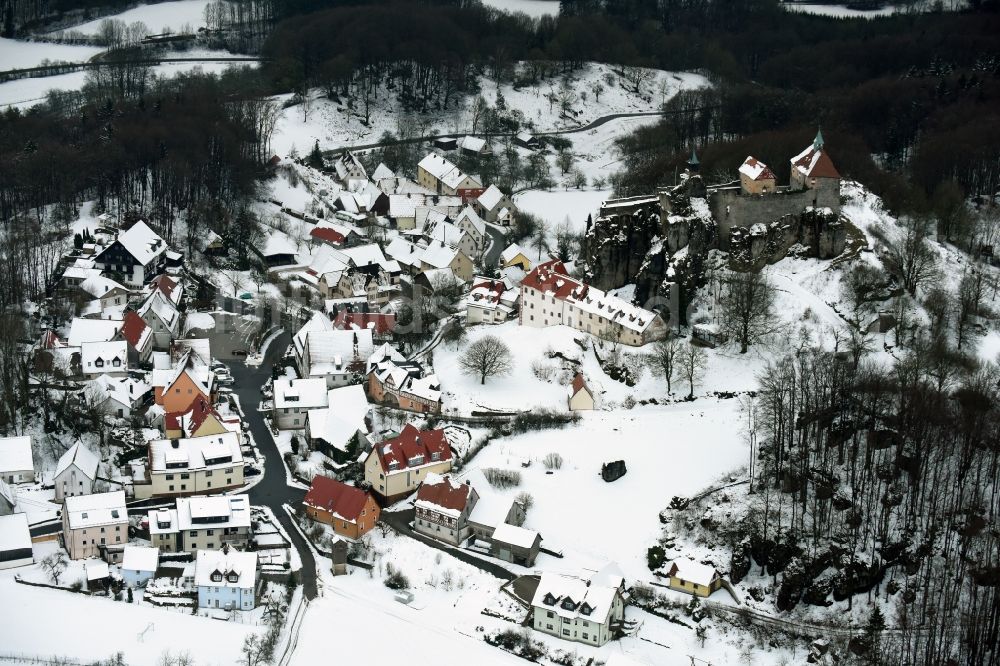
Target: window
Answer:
[[185, 476], [208, 473], [193, 533], [565, 632], [585, 637], [170, 477]]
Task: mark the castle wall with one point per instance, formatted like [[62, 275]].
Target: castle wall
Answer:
[[731, 208]]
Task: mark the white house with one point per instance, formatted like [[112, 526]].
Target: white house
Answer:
[[226, 579], [470, 222], [491, 301], [452, 236], [550, 297], [496, 207], [92, 330], [161, 315], [139, 565], [294, 398], [330, 430], [201, 523], [586, 610], [76, 472], [104, 358], [336, 356], [15, 542], [193, 465], [95, 525], [16, 462]]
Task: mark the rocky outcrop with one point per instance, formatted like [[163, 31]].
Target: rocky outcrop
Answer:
[[617, 243]]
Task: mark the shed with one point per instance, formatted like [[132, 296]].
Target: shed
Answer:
[[580, 396], [692, 577], [518, 545], [446, 143], [15, 541], [139, 565]]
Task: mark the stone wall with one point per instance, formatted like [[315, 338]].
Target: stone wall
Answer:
[[731, 208]]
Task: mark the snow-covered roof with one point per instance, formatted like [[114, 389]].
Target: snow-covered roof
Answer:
[[318, 322], [99, 285], [96, 509], [96, 569], [443, 493], [206, 452], [238, 569], [445, 232], [345, 416], [363, 255], [472, 144], [14, 532], [404, 252], [142, 243], [514, 535], [510, 253], [332, 352], [217, 511], [79, 455], [438, 255], [490, 197], [688, 570], [15, 454], [158, 304], [7, 493], [92, 330], [575, 597], [754, 169], [550, 278], [471, 218], [307, 393], [81, 272], [104, 356], [381, 172], [140, 558], [443, 170], [124, 390], [489, 293]]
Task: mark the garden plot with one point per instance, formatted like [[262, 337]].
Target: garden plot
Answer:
[[676, 449]]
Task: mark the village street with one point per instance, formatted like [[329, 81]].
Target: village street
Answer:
[[272, 491]]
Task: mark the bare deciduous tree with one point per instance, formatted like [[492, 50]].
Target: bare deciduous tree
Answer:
[[692, 364], [487, 357], [913, 261], [54, 566], [664, 359], [747, 308]]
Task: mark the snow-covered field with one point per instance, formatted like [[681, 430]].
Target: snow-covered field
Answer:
[[533, 8], [670, 450], [176, 16], [336, 126], [840, 11], [557, 206], [28, 92], [18, 54], [54, 623]]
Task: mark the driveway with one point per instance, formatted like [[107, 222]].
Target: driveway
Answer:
[[272, 491], [497, 245]]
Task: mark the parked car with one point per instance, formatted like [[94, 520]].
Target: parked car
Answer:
[[240, 353]]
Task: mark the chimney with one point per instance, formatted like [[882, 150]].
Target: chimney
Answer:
[[175, 444]]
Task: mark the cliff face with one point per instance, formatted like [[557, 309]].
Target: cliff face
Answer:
[[616, 246], [662, 256]]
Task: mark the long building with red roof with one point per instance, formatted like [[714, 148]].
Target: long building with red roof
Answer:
[[550, 297]]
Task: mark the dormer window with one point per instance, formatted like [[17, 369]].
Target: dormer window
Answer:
[[117, 362], [549, 600], [114, 513], [586, 608], [233, 577], [436, 455], [568, 604], [417, 459], [217, 576], [99, 363]]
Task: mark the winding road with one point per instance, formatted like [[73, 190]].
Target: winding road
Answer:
[[272, 491]]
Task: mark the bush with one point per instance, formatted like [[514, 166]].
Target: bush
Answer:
[[542, 419], [655, 557], [643, 594], [396, 580], [502, 478], [553, 461]]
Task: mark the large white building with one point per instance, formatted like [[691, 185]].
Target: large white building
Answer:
[[550, 297], [201, 523], [16, 462], [15, 541], [586, 610], [194, 465]]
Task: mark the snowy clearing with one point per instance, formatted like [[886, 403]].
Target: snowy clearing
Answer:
[[180, 16], [18, 54], [533, 8]]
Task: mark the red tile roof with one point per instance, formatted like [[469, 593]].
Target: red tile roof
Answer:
[[381, 323], [198, 410], [765, 171], [338, 498], [822, 167], [327, 234], [551, 277], [445, 492], [165, 284], [410, 444], [579, 383], [132, 328]]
